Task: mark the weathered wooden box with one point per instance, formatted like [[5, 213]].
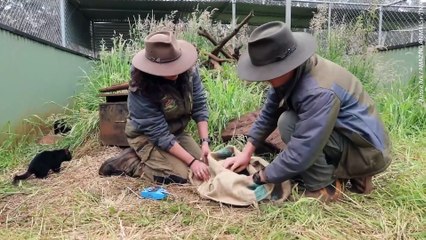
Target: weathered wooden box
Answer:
[[113, 115]]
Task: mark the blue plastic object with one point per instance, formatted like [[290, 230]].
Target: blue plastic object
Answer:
[[156, 193]]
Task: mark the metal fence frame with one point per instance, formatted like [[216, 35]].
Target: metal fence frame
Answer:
[[397, 24], [387, 13]]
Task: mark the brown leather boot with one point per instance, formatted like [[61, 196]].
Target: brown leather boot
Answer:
[[331, 193], [362, 185], [125, 163]]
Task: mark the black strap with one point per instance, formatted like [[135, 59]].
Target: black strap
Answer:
[[193, 160]]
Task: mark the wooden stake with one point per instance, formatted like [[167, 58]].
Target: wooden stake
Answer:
[[227, 38]]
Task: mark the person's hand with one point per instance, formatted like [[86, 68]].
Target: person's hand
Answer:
[[205, 150], [200, 170], [237, 163]]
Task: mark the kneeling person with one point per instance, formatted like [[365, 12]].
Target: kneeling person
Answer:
[[329, 123], [165, 94]]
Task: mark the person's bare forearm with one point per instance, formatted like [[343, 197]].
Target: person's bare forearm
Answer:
[[249, 149], [198, 168], [178, 151], [203, 130]]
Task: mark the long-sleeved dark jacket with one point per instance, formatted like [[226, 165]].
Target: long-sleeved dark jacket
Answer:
[[326, 98], [159, 121]]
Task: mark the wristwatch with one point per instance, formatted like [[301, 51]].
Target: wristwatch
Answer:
[[207, 140], [257, 179]]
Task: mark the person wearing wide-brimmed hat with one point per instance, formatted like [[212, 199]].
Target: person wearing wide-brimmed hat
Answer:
[[165, 93], [330, 125]]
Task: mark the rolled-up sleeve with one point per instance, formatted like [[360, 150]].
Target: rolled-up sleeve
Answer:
[[266, 122], [199, 109], [317, 113], [148, 119]]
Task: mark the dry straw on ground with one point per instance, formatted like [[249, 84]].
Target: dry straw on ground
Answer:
[[80, 204]]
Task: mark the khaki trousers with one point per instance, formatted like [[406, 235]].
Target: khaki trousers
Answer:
[[160, 166]]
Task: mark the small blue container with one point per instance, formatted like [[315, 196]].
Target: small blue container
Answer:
[[155, 193]]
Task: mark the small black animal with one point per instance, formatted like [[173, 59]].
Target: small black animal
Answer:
[[60, 126], [43, 162]]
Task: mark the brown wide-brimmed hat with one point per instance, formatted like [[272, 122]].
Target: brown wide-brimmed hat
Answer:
[[273, 50], [163, 55]]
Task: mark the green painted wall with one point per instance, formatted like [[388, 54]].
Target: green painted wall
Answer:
[[32, 75]]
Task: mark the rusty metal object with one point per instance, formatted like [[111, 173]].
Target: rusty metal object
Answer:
[[241, 127], [113, 114], [116, 87]]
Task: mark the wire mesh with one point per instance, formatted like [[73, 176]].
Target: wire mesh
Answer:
[[400, 25], [42, 19], [392, 24], [38, 18]]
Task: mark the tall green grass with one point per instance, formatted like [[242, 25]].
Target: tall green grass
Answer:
[[19, 147], [114, 67], [229, 97], [12, 148], [402, 111]]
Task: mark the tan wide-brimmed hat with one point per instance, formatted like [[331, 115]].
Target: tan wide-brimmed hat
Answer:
[[164, 55], [274, 50]]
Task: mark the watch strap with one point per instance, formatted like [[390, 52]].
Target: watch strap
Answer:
[[207, 140]]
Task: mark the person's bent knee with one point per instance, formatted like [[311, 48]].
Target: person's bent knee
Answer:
[[286, 123]]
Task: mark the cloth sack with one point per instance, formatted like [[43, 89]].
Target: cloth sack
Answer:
[[238, 189]]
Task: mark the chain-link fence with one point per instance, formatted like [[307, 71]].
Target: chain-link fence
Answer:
[[391, 25], [38, 18], [55, 21]]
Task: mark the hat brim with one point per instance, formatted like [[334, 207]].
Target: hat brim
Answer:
[[306, 47], [187, 59]]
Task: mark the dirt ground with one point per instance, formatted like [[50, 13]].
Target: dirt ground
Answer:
[[79, 204]]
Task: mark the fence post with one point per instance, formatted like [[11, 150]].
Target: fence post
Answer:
[[92, 29], [288, 13], [234, 19], [329, 21], [62, 12], [380, 25]]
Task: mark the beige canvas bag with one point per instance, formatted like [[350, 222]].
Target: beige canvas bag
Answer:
[[226, 186]]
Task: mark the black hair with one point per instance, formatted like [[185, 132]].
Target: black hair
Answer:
[[150, 85]]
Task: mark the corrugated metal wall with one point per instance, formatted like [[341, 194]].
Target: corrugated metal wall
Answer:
[[78, 30], [104, 31]]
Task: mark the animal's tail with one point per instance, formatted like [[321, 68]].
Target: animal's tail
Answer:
[[16, 178]]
